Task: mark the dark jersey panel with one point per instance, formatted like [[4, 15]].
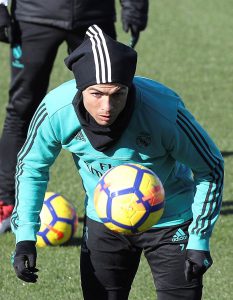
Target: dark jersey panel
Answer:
[[66, 14]]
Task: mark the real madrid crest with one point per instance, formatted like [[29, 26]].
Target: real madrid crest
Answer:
[[143, 139]]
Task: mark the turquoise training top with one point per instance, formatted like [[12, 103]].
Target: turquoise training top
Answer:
[[162, 135]]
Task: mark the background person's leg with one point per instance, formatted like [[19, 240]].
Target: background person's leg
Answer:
[[32, 59]]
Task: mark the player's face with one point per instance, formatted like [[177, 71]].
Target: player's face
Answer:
[[104, 102]]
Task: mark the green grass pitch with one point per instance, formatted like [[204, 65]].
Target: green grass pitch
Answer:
[[187, 46]]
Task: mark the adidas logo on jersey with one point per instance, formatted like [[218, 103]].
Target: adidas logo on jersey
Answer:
[[79, 136], [179, 236]]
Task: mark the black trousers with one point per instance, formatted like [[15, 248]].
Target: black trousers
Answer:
[[32, 58], [109, 262]]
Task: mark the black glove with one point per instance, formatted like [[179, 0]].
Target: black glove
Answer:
[[24, 261], [5, 24], [196, 263], [134, 35], [134, 18]]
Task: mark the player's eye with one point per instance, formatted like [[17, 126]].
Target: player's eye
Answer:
[[118, 94], [96, 94]]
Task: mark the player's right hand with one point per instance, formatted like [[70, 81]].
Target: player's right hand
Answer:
[[24, 261], [5, 24]]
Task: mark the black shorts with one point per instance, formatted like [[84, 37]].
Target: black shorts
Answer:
[[109, 262]]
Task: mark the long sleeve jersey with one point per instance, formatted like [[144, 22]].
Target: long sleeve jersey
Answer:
[[161, 135]]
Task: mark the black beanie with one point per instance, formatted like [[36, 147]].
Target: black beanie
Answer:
[[100, 59]]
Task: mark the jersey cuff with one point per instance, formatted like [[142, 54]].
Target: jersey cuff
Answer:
[[26, 233], [197, 243]]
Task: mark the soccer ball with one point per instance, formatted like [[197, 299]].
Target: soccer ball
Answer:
[[129, 199], [58, 221]]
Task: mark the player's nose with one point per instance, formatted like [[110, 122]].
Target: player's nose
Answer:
[[106, 103]]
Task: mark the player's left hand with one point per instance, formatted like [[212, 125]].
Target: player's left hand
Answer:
[[196, 263], [134, 18], [24, 261]]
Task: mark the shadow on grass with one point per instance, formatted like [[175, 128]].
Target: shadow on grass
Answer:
[[227, 208], [226, 153], [74, 242]]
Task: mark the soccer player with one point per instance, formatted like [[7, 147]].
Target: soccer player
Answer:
[[35, 30], [107, 117]]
